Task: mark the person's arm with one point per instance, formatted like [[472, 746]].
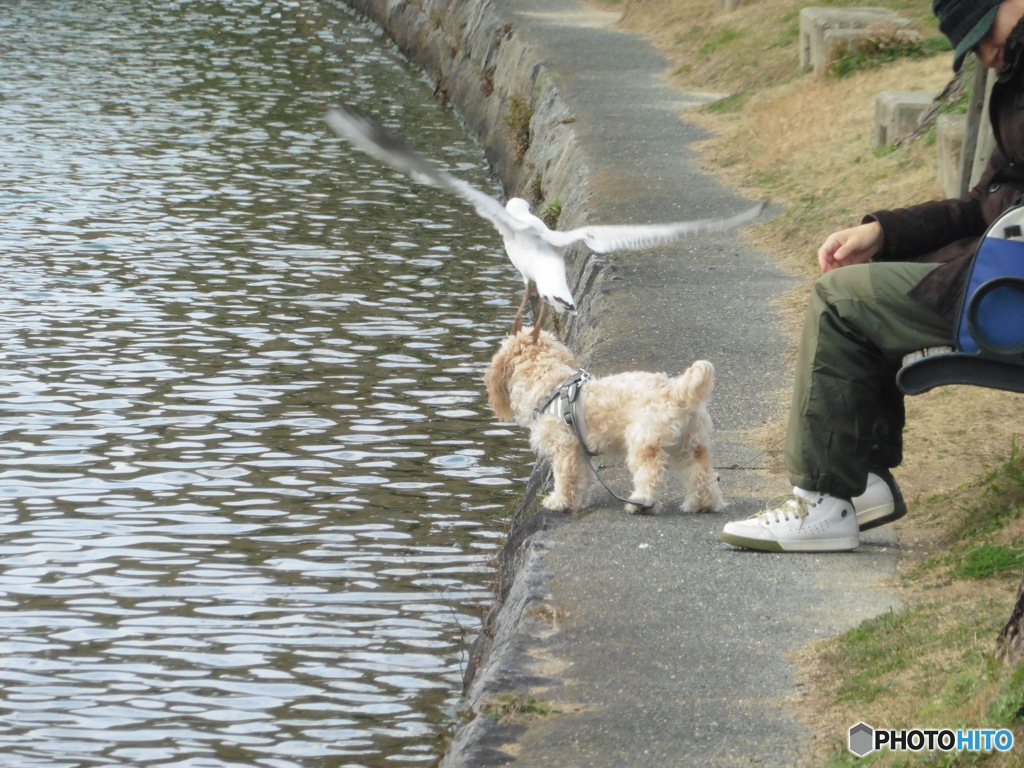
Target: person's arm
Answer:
[[920, 230], [913, 232], [855, 245]]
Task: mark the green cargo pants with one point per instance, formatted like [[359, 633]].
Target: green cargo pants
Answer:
[[847, 415]]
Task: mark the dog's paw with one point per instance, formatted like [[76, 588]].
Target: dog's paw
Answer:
[[640, 508], [704, 505], [553, 504]]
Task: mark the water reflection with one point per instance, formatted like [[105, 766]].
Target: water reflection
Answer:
[[249, 487]]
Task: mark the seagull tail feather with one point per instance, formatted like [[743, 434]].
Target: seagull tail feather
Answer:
[[560, 305]]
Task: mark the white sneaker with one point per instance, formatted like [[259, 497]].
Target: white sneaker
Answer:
[[881, 501], [804, 522]]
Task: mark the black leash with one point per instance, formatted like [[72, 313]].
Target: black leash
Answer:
[[642, 506], [737, 467]]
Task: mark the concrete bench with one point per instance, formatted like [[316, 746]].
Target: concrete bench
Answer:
[[826, 34], [897, 113]]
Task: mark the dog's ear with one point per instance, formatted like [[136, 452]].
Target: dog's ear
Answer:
[[496, 380]]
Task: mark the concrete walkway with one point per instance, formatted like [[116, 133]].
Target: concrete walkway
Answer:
[[660, 645]]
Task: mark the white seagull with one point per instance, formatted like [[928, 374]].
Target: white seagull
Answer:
[[534, 249]]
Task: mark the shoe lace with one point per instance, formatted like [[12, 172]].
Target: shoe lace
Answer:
[[783, 508]]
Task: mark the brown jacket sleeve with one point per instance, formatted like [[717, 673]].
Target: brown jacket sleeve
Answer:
[[947, 232]]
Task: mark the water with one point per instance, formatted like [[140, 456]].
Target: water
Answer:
[[249, 486]]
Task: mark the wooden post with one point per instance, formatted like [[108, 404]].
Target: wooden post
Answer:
[[978, 138]]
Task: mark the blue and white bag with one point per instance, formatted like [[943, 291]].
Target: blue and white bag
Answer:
[[991, 318]]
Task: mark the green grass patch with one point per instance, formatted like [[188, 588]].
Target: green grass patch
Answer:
[[517, 119], [551, 214], [517, 706], [987, 561], [886, 49], [1006, 709], [874, 650], [733, 103], [1000, 500], [720, 41]]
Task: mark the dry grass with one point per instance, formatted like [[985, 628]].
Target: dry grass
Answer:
[[762, 146], [807, 144]]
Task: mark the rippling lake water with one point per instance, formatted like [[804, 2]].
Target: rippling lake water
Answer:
[[249, 485]]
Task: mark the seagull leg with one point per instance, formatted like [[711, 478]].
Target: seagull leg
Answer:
[[517, 325], [540, 319]]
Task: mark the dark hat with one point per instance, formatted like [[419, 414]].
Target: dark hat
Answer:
[[965, 23]]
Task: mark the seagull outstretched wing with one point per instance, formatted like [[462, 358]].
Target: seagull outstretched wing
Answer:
[[627, 237], [393, 150]]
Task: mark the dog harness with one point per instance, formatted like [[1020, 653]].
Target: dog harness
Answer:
[[566, 403]]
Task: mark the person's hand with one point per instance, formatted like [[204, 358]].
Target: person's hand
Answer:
[[850, 246]]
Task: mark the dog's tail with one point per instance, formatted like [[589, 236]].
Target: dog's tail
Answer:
[[694, 385]]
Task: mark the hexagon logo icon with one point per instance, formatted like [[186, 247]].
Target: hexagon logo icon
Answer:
[[862, 739]]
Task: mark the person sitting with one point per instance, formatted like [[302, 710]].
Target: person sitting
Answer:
[[891, 286]]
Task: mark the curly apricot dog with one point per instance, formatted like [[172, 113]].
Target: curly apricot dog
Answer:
[[656, 423]]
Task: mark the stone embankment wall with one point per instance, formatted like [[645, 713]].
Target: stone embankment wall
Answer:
[[506, 98]]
